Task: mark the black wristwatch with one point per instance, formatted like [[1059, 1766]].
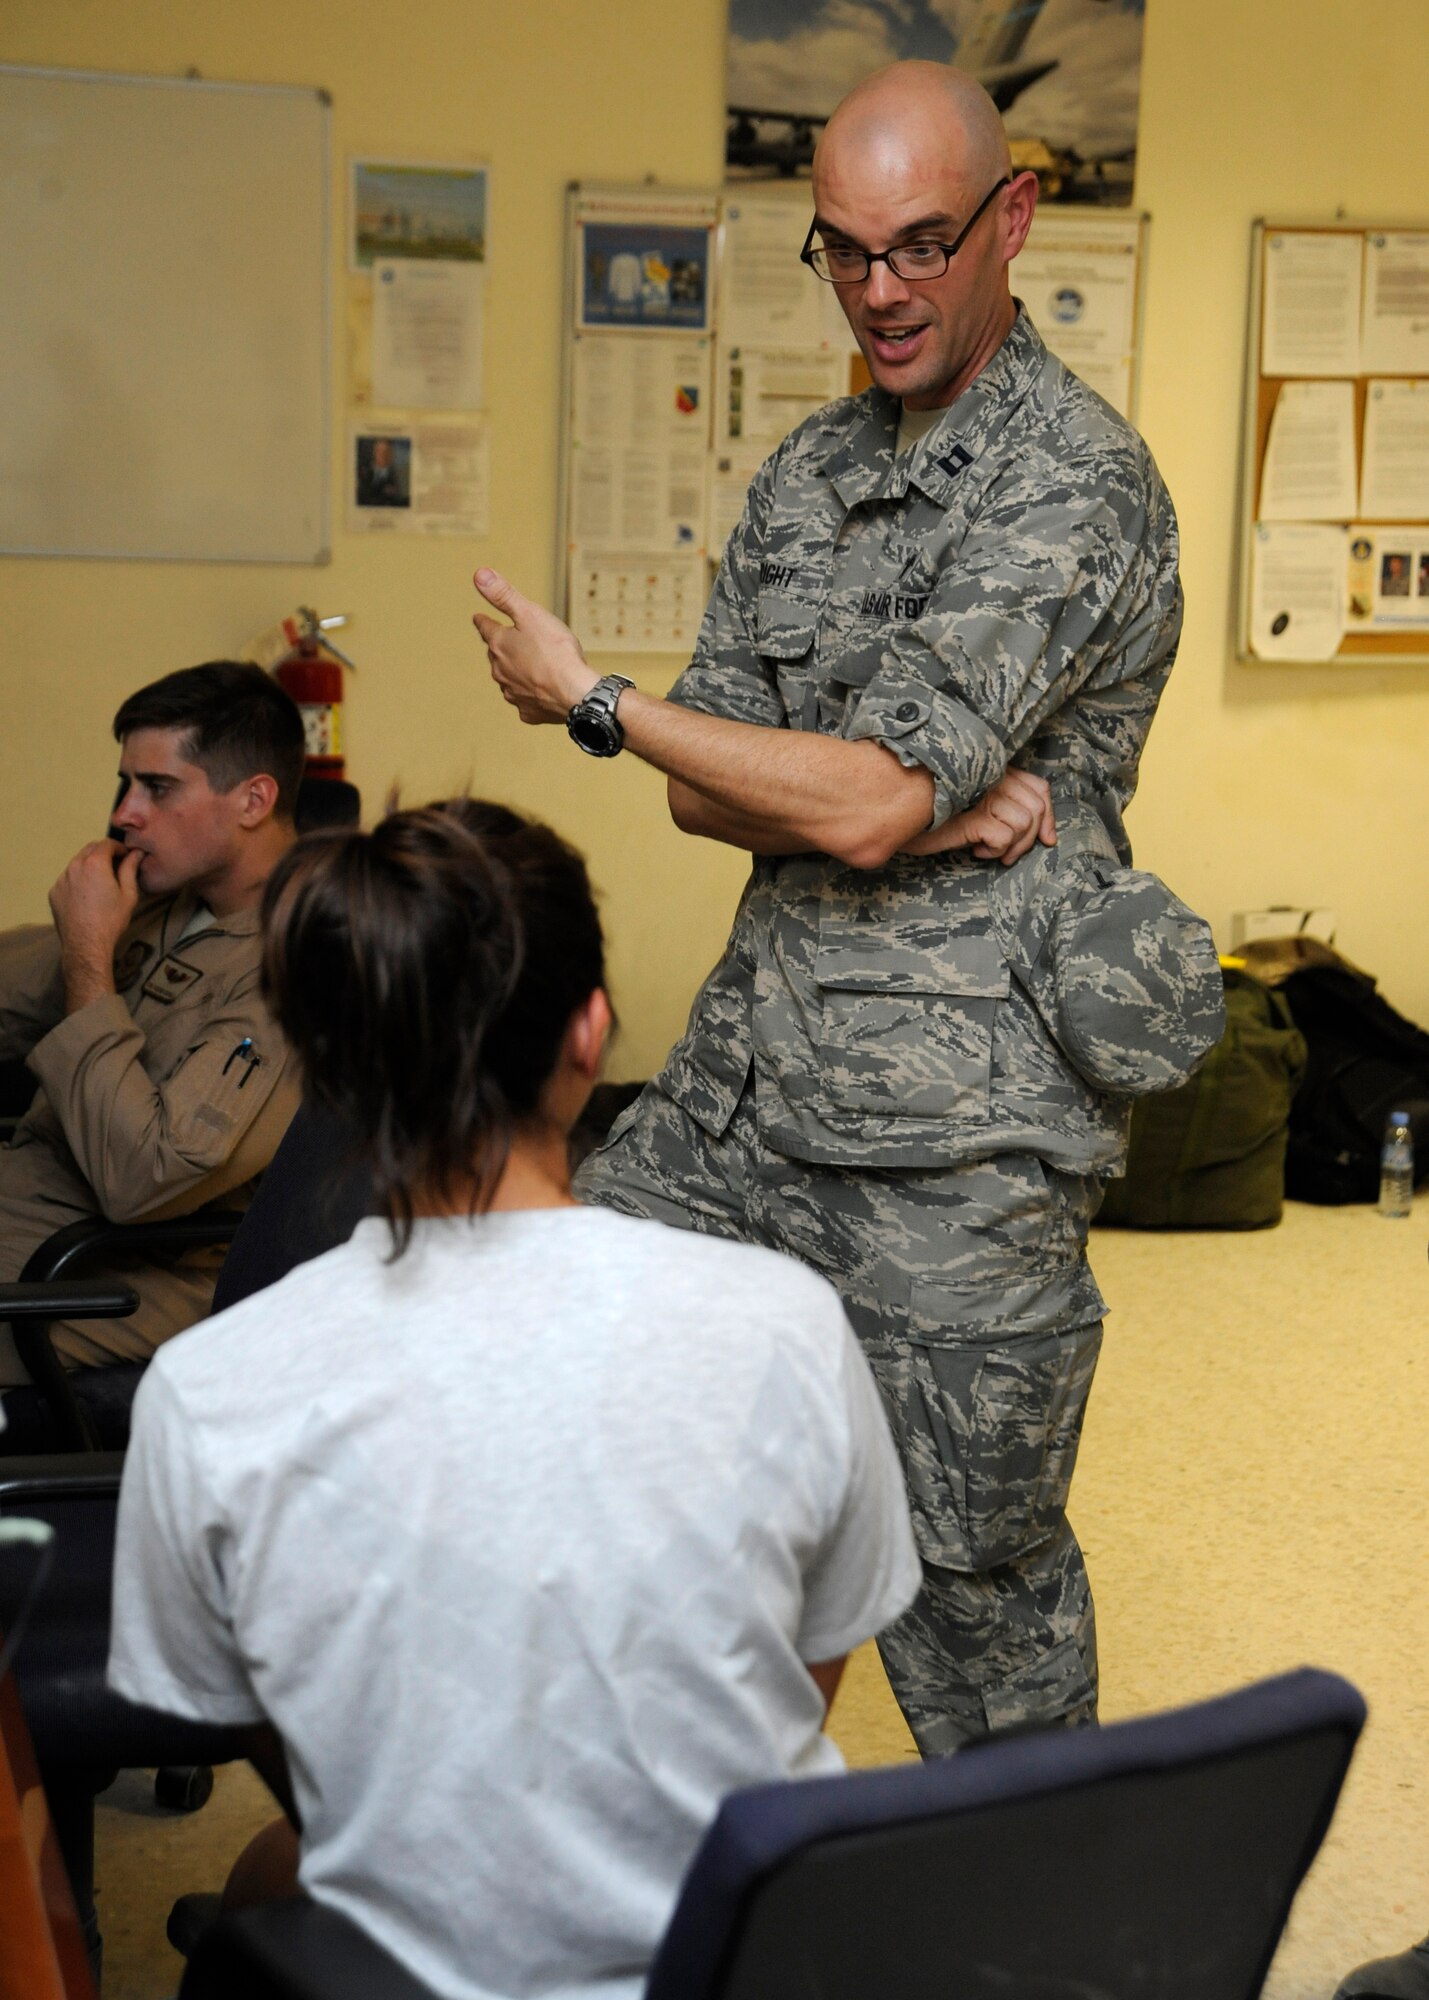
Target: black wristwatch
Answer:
[[592, 722]]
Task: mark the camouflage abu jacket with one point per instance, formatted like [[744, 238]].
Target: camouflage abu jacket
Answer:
[[1005, 592]]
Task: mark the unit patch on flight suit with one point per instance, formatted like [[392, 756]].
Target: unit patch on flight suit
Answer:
[[128, 968], [170, 977]]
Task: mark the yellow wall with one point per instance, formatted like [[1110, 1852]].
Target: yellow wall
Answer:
[[1261, 785]]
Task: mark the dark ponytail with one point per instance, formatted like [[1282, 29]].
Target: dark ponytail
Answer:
[[422, 977]]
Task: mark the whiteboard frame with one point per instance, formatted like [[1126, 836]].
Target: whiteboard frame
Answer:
[[323, 552]]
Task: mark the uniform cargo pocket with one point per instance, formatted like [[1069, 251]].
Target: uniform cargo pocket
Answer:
[[1055, 1688], [990, 1445], [907, 1033]]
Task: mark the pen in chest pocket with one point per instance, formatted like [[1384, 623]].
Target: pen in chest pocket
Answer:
[[247, 1055]]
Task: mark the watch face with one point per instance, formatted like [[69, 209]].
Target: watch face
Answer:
[[598, 734]]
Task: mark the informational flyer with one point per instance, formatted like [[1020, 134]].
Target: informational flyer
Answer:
[[420, 476], [627, 602], [1297, 591], [767, 297], [1388, 588], [1310, 312], [644, 262], [731, 470], [639, 430], [766, 391], [1394, 471], [1309, 470], [427, 334], [1395, 338], [1077, 277], [784, 341]]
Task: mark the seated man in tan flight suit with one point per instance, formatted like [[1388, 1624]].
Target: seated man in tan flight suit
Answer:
[[163, 1084]]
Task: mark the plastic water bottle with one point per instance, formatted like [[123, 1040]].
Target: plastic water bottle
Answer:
[[1396, 1167]]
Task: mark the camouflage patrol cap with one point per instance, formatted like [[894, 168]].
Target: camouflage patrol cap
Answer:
[[1129, 982]]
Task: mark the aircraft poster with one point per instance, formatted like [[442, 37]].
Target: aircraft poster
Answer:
[[1065, 74]]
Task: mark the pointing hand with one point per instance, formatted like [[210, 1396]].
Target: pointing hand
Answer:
[[536, 661]]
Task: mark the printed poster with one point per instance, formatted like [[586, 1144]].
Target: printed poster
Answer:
[[639, 434], [1065, 74]]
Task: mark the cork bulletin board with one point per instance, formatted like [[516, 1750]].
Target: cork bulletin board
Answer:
[[1335, 469]]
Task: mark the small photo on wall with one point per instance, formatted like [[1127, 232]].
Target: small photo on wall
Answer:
[[382, 470], [648, 274], [417, 211]]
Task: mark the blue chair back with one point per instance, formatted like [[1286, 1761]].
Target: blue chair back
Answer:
[[1148, 1860]]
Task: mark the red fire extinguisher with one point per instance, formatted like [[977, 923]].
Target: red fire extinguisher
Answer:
[[310, 670]]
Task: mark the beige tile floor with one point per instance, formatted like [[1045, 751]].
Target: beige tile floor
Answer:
[[1253, 1494]]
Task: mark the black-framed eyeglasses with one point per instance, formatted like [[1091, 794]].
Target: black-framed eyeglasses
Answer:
[[847, 264]]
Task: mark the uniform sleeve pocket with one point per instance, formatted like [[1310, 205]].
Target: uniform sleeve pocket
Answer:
[[908, 1021], [786, 629], [786, 639]]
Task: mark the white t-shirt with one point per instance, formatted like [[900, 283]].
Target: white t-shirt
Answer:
[[519, 1542]]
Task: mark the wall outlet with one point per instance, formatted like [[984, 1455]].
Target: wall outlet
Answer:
[[1282, 920]]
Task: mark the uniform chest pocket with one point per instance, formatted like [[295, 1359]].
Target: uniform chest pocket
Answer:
[[907, 1028]]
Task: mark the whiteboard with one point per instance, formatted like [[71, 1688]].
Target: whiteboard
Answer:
[[164, 338]]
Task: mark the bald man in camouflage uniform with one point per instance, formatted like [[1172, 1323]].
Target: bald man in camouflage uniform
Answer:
[[911, 1068]]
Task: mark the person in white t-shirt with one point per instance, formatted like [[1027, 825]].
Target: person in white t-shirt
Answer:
[[528, 1530]]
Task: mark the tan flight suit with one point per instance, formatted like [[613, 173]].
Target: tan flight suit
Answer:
[[154, 1101]]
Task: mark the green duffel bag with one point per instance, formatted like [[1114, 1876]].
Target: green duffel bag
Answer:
[[1210, 1154]]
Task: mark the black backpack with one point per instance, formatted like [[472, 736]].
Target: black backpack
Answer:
[[1365, 1060]]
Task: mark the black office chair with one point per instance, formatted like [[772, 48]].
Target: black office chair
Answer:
[[1150, 1860], [86, 1409], [326, 802], [83, 1734], [310, 1197]]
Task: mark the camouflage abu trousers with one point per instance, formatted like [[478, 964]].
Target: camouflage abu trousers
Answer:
[[969, 1290]]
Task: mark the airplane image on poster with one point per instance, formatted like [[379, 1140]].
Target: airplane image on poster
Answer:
[[1065, 74]]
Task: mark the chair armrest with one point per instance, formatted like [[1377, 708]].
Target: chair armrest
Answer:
[[57, 1475], [93, 1237], [299, 1950], [69, 1249], [67, 1298]]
